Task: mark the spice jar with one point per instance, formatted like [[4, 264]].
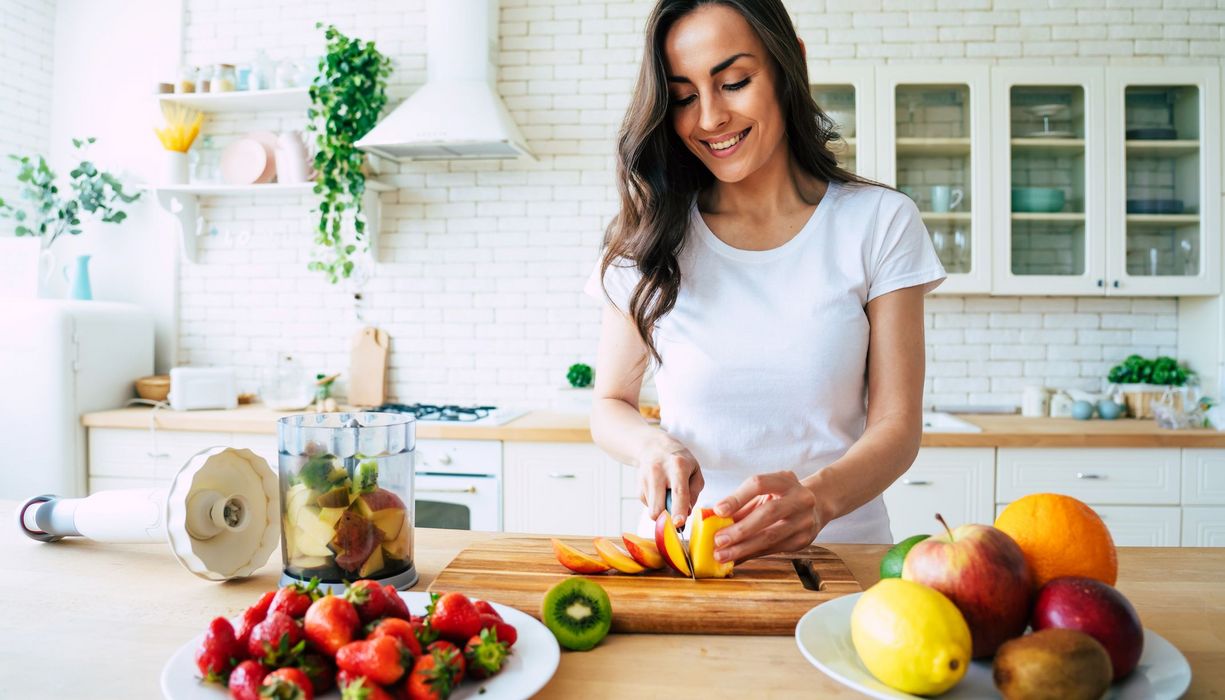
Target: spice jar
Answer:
[[187, 79], [224, 78], [203, 79]]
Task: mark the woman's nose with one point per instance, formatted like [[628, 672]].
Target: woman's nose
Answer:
[[714, 115]]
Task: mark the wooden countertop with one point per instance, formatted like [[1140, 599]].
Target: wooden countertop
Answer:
[[551, 426], [88, 620]]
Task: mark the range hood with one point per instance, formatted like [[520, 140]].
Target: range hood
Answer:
[[457, 114]]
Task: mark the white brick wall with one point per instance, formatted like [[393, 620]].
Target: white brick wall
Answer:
[[479, 280], [26, 30]]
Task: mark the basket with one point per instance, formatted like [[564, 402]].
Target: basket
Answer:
[[155, 388], [1140, 402]]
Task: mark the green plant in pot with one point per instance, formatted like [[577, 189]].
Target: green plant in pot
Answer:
[[347, 96], [1143, 380]]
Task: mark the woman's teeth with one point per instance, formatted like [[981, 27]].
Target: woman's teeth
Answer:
[[724, 145]]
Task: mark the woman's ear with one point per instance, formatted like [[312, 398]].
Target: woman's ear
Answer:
[[803, 50]]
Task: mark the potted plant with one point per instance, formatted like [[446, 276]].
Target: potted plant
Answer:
[[1143, 381], [347, 95], [576, 395], [46, 212]]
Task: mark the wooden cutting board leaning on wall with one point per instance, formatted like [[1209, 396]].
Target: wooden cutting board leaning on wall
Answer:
[[368, 367], [765, 596]]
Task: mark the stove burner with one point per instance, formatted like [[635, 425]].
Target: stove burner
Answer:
[[450, 412]]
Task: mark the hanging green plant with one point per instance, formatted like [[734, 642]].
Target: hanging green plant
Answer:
[[347, 96]]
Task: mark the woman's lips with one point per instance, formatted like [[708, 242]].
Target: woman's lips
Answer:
[[729, 150]]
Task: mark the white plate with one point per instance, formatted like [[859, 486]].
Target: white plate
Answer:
[[824, 637], [532, 663]]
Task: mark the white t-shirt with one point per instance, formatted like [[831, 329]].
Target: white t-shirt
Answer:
[[764, 355]]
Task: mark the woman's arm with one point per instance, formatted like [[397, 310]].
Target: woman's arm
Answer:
[[621, 431], [778, 512]]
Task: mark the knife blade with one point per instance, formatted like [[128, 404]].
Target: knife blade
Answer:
[[680, 535]]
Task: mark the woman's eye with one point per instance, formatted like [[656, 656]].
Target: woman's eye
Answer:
[[682, 102], [737, 86]]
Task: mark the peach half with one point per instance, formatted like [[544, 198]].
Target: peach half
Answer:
[[702, 545], [576, 561], [642, 550], [614, 557], [669, 544]]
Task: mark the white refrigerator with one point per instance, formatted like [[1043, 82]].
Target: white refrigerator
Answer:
[[58, 360]]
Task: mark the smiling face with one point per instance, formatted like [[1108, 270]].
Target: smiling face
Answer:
[[721, 88]]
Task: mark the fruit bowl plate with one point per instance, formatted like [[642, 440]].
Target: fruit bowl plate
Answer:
[[532, 663], [824, 637]]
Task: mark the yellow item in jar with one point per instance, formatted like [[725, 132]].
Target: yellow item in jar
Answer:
[[182, 127]]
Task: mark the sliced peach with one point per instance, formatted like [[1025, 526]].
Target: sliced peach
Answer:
[[616, 558], [702, 546], [669, 544], [576, 561], [642, 550]]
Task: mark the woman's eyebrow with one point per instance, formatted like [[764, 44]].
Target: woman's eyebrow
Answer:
[[720, 66]]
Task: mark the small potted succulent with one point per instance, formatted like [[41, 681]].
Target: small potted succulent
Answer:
[[576, 395], [1143, 381]]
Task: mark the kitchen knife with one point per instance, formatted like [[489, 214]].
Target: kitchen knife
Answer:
[[680, 535]]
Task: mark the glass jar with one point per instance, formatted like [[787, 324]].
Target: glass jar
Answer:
[[187, 80], [347, 497], [204, 79], [205, 161], [224, 78], [286, 387]]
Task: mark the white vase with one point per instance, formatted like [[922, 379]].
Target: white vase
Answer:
[[174, 168]]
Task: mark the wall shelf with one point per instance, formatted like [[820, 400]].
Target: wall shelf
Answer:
[[242, 101], [1058, 216]]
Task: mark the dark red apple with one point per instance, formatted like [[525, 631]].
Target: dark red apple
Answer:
[[1097, 609], [983, 571]]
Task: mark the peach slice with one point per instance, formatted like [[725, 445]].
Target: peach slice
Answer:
[[616, 558], [702, 545], [576, 561], [669, 544], [642, 550]]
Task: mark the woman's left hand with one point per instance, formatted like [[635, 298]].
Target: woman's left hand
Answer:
[[773, 513]]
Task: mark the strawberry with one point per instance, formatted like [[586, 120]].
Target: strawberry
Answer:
[[484, 608], [277, 641], [396, 607], [354, 687], [320, 669], [382, 659], [369, 599], [455, 618], [433, 676], [331, 623], [485, 655], [287, 684], [425, 634], [402, 630], [245, 680], [506, 631], [218, 652], [294, 599], [252, 617], [454, 656]]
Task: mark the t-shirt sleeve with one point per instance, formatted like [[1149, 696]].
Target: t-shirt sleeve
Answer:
[[903, 255], [619, 281]]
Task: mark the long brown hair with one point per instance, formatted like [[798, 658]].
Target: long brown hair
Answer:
[[657, 176]]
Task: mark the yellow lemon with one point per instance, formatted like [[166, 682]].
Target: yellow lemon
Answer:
[[910, 637]]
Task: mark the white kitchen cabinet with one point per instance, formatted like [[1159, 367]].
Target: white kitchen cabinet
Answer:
[[126, 458], [1137, 526], [957, 482], [933, 131], [1203, 477], [1095, 476], [847, 95], [1203, 526], [560, 489]]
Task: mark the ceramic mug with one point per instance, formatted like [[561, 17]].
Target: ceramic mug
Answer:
[[946, 198]]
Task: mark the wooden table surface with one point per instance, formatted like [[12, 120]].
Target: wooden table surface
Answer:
[[89, 620]]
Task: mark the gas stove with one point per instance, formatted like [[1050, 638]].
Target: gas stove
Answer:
[[451, 413]]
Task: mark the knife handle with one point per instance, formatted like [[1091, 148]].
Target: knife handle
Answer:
[[668, 507]]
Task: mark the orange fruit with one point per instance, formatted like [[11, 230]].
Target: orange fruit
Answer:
[[1060, 536]]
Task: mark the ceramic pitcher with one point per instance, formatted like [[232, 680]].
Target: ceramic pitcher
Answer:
[[78, 281]]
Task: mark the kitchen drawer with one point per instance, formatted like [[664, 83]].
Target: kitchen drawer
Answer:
[[958, 483], [1105, 476], [559, 489], [144, 454], [1138, 526], [1203, 477], [1203, 526]]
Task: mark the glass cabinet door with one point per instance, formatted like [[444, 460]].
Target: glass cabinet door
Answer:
[[845, 96], [1048, 208], [1167, 195], [935, 150]]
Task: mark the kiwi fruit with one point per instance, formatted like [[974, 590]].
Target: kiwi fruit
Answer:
[[1053, 664], [577, 611]]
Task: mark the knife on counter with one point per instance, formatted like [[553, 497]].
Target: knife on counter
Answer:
[[680, 535]]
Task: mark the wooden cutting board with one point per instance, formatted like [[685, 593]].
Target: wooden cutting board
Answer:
[[764, 597], [368, 367]]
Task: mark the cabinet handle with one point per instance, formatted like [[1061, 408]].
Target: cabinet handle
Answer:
[[470, 489], [1101, 283], [157, 455], [559, 475], [916, 482], [1082, 475], [1115, 284]]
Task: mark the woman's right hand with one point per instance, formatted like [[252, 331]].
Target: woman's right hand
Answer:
[[669, 466]]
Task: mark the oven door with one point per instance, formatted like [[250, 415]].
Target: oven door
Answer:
[[457, 501]]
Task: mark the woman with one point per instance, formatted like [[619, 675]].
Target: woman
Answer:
[[780, 296]]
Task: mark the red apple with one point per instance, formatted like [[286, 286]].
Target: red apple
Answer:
[[1097, 609], [983, 571]]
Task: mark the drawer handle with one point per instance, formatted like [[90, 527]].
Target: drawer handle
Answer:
[[158, 455], [916, 482], [470, 489], [559, 475], [1095, 477]]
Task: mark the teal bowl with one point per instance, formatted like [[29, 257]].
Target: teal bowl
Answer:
[[1037, 199]]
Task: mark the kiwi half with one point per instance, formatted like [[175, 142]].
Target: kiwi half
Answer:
[[577, 611]]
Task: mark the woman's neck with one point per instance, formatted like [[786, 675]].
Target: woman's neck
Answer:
[[777, 189]]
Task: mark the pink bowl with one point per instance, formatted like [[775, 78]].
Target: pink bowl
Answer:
[[244, 162]]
